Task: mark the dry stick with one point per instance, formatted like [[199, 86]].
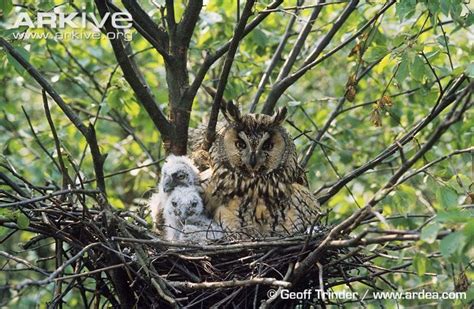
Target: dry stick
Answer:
[[229, 284], [66, 179], [60, 269], [273, 62], [234, 44], [88, 133], [48, 196], [239, 246], [24, 262], [271, 299]]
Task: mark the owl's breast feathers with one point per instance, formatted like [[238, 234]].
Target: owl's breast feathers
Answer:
[[278, 201]]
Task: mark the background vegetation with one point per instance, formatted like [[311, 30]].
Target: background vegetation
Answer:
[[358, 77]]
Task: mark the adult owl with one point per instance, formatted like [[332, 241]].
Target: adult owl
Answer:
[[255, 183]]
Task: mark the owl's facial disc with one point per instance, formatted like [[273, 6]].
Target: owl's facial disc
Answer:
[[178, 179], [253, 150]]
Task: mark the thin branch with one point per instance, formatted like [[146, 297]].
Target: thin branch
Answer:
[[157, 37], [313, 60], [210, 59], [445, 102], [273, 62], [229, 284], [135, 78], [234, 44], [88, 133], [186, 26]]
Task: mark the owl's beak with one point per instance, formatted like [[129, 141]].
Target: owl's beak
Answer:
[[253, 160]]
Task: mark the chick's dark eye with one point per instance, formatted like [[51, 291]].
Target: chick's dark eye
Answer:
[[240, 144], [193, 204], [174, 204]]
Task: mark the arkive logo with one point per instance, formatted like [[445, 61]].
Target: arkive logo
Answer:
[[119, 20]]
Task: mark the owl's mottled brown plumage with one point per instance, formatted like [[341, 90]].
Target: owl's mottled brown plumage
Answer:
[[255, 183]]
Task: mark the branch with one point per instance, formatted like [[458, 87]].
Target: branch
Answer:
[[234, 44], [66, 179], [273, 62], [296, 50], [59, 270], [157, 37], [88, 133], [444, 103], [379, 240], [135, 78], [354, 220], [212, 58], [170, 18], [186, 26], [313, 60], [48, 196], [229, 284]]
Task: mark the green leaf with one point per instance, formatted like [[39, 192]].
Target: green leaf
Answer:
[[453, 216], [6, 7], [406, 9], [429, 232], [22, 221], [445, 6], [420, 264], [447, 197], [403, 70], [451, 243], [468, 229], [418, 68], [18, 67], [375, 53], [470, 70]]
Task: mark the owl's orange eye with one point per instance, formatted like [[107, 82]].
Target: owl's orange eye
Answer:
[[240, 144]]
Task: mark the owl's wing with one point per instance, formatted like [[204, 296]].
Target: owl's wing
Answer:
[[306, 206]]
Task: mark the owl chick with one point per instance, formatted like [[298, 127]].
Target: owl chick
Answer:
[[177, 172], [184, 217]]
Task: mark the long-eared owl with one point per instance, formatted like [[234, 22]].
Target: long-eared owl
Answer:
[[255, 183]]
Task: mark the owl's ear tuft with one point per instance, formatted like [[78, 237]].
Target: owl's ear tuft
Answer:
[[231, 112], [279, 116]]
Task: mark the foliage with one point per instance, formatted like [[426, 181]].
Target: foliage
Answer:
[[364, 91]]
